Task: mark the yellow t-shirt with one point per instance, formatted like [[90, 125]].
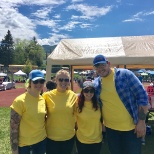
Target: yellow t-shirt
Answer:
[[32, 125], [89, 126], [60, 114], [115, 114]]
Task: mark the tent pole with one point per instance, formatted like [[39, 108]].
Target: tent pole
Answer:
[[48, 70], [72, 76]]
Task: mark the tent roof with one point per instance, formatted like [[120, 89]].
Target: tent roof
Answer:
[[3, 74], [119, 50], [20, 73]]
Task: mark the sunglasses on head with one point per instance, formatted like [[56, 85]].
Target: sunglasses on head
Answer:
[[88, 90], [61, 80], [39, 81]]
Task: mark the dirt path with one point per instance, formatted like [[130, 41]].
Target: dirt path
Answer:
[[7, 97]]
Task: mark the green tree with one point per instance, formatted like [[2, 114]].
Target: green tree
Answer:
[[28, 67], [19, 53], [35, 53], [7, 50], [28, 51]]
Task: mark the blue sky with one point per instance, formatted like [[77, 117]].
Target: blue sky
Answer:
[[52, 20]]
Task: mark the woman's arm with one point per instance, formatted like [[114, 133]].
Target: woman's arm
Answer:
[[14, 131]]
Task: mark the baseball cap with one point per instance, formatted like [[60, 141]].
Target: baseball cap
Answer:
[[35, 75], [99, 59], [88, 84]]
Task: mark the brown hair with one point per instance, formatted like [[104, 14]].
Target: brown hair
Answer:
[[81, 100]]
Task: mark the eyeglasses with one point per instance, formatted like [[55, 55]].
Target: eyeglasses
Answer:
[[39, 81], [61, 80], [99, 66], [88, 90]]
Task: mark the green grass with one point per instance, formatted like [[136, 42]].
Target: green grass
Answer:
[[4, 131], [5, 139]]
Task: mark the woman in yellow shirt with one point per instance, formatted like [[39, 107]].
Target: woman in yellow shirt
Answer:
[[60, 122], [89, 125], [27, 123]]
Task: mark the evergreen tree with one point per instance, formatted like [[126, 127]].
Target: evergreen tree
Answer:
[[7, 50]]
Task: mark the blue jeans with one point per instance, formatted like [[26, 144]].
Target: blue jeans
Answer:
[[123, 142], [60, 147], [38, 148]]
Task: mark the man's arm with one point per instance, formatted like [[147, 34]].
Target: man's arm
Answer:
[[14, 131], [140, 129]]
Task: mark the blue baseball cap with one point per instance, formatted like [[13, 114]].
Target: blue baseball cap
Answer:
[[35, 75], [99, 59]]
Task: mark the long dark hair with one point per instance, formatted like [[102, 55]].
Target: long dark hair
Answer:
[[81, 100]]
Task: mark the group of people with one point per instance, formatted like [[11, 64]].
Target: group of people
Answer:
[[53, 122]]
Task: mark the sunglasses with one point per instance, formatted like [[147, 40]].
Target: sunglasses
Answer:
[[61, 80], [88, 90], [39, 81]]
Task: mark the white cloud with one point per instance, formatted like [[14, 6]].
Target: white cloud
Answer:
[[75, 1], [43, 13], [90, 11], [132, 20], [149, 13], [74, 17], [53, 40], [57, 16], [4, 3], [48, 23], [85, 25], [71, 25], [140, 16], [19, 25]]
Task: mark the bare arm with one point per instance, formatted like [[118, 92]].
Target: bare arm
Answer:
[[140, 129], [14, 131]]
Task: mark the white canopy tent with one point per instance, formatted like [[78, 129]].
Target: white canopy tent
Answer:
[[132, 50], [2, 74], [20, 73], [43, 71]]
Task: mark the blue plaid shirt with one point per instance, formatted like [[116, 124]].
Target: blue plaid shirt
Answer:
[[129, 89]]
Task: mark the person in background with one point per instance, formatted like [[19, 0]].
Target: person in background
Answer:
[[60, 122], [140, 78], [50, 85], [53, 78], [125, 105], [27, 121], [89, 125]]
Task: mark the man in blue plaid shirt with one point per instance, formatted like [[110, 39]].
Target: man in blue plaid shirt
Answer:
[[124, 106]]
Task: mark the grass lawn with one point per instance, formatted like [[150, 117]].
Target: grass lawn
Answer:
[[5, 140]]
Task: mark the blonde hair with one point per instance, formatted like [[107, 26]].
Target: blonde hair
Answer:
[[62, 71]]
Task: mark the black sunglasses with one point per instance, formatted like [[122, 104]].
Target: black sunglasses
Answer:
[[39, 81], [61, 80], [88, 90]]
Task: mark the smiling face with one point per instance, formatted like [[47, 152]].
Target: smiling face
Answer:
[[62, 80], [36, 86], [88, 93], [103, 70]]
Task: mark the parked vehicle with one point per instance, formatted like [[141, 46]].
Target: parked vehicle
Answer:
[[2, 86]]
